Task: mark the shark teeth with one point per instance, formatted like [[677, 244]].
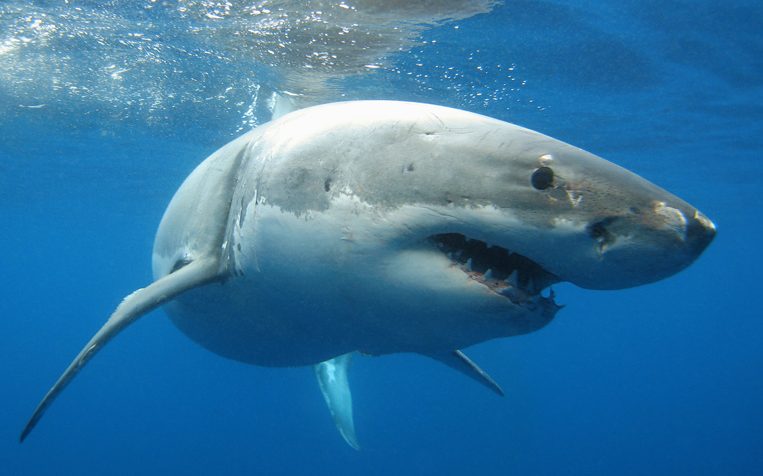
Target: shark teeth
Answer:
[[517, 296], [504, 272], [530, 286]]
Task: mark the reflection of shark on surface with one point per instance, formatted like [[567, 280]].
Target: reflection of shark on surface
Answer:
[[381, 227]]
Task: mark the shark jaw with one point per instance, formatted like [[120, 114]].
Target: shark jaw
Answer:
[[516, 277]]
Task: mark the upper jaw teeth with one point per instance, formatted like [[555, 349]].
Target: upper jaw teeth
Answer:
[[509, 287], [509, 274]]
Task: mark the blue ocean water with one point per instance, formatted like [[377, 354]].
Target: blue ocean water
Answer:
[[105, 107]]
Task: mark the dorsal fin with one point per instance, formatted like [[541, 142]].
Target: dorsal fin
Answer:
[[282, 105], [137, 304], [459, 361]]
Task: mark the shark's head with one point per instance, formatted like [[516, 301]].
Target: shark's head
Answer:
[[578, 217], [511, 199]]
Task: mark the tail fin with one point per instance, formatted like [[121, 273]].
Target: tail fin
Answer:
[[134, 306]]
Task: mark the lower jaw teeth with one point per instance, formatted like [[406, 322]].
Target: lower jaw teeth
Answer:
[[508, 288], [516, 296], [533, 278]]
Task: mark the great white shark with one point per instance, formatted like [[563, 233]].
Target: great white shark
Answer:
[[383, 226]]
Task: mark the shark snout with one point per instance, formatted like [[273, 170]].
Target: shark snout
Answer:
[[680, 223], [700, 231], [640, 246]]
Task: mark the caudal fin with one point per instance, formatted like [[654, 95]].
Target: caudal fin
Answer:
[[134, 306]]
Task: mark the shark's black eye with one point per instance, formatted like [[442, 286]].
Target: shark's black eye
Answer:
[[542, 178]]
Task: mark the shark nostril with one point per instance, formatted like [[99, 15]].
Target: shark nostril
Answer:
[[597, 231], [600, 233]]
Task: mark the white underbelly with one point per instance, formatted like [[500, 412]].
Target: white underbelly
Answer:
[[282, 323]]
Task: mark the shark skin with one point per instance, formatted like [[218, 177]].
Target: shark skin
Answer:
[[381, 227]]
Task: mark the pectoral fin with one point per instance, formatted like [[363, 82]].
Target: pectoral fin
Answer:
[[459, 361], [332, 378], [132, 307]]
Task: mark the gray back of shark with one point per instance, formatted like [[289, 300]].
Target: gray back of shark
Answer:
[[384, 227]]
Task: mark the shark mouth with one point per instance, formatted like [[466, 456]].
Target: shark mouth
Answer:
[[516, 277]]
